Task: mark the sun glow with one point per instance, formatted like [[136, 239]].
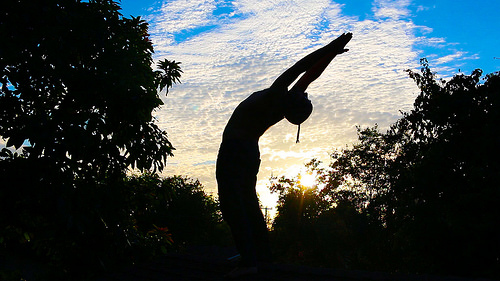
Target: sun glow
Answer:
[[307, 180]]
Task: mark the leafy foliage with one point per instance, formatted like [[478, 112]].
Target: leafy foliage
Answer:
[[108, 224], [426, 189], [321, 224], [78, 93], [446, 178], [77, 84], [177, 203]]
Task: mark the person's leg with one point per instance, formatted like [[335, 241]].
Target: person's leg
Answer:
[[244, 243], [258, 227], [237, 167], [238, 220]]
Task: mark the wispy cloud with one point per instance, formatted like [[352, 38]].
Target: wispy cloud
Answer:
[[249, 43], [457, 56], [394, 9]]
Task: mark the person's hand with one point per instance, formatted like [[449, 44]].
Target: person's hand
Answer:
[[338, 44], [344, 38]]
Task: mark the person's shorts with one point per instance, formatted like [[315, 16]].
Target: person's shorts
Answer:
[[237, 165]]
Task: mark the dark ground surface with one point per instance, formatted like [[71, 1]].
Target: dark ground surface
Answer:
[[198, 266], [211, 263]]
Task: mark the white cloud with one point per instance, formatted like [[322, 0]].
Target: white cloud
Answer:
[[421, 8], [393, 9], [180, 15], [433, 41], [457, 57], [448, 58], [224, 65]]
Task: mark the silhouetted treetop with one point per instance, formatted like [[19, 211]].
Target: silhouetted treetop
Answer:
[[77, 83]]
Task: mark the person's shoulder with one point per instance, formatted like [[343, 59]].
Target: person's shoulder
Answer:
[[269, 96], [280, 89], [268, 92], [276, 91]]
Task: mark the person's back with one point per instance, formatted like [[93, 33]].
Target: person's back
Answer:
[[253, 116]]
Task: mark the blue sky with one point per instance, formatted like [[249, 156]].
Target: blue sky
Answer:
[[231, 48], [471, 25], [467, 26]]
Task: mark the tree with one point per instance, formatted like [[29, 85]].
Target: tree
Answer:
[[445, 179], [77, 86], [323, 224], [78, 93], [175, 202]]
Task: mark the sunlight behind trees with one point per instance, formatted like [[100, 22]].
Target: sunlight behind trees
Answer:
[[307, 180]]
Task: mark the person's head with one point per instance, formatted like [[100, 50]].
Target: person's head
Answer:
[[297, 107]]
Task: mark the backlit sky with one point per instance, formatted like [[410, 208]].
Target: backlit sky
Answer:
[[232, 48]]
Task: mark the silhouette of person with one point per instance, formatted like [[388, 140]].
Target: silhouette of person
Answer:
[[238, 160]]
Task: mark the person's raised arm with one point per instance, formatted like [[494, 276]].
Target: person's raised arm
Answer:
[[314, 72], [317, 60]]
